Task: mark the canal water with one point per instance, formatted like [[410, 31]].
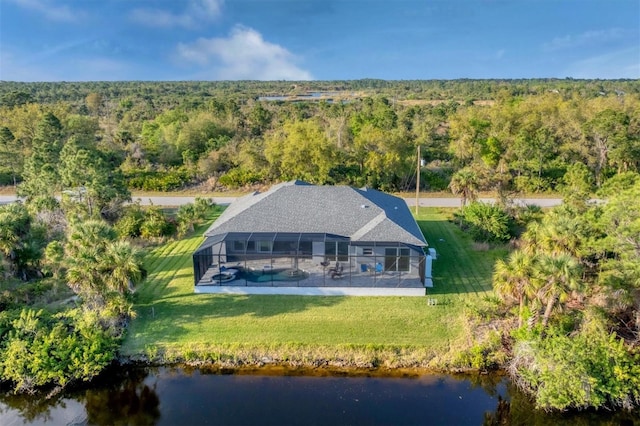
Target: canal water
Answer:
[[179, 396]]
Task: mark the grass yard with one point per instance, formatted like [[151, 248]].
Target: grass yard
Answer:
[[463, 268], [173, 323]]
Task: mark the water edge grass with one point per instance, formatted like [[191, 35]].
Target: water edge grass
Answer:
[[174, 324]]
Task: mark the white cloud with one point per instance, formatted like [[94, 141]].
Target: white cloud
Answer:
[[49, 10], [585, 39], [196, 12], [244, 55], [613, 65]]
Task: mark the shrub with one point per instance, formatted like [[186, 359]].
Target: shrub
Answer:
[[486, 355], [586, 370], [156, 225], [169, 180], [532, 184], [486, 222], [240, 176], [130, 223], [436, 180], [41, 349]]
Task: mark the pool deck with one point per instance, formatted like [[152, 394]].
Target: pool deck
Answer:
[[312, 291], [317, 282]]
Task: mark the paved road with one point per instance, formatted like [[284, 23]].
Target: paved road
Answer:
[[424, 201]]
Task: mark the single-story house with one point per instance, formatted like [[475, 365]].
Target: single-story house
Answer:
[[298, 238]]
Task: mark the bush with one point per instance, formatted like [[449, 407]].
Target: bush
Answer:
[[40, 349], [487, 355], [527, 214], [486, 222], [130, 224], [586, 370], [436, 180], [240, 176], [156, 225], [532, 184], [158, 180], [190, 214]]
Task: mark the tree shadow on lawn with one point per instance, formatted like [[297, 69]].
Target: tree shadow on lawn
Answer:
[[226, 305], [171, 316], [157, 282]]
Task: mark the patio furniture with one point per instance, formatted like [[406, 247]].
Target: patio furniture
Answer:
[[224, 276], [379, 268], [336, 272]]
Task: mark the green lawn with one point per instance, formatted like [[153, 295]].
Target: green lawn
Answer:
[[462, 268], [175, 323]]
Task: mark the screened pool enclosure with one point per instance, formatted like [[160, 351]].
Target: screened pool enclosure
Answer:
[[281, 259]]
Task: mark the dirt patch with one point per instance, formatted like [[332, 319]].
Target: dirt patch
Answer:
[[8, 190], [481, 246]]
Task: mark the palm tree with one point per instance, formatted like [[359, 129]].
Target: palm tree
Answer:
[[15, 223], [531, 237], [465, 183], [84, 278], [558, 275], [122, 265], [187, 216], [564, 235], [512, 279], [95, 234], [84, 253]]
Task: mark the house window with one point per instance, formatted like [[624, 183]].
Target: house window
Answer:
[[264, 246], [238, 245], [336, 251], [404, 263], [367, 251], [397, 259]]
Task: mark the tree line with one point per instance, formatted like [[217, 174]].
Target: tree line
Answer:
[[516, 140], [174, 92]]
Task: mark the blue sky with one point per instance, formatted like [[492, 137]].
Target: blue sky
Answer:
[[82, 40]]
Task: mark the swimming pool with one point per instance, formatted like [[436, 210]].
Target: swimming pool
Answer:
[[261, 276]]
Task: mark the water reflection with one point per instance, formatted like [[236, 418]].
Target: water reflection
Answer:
[[14, 406], [131, 396], [519, 409], [128, 400]]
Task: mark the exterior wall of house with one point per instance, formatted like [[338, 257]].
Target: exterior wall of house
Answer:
[[391, 264], [391, 258]]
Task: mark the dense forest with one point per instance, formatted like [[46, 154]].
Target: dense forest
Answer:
[[75, 151], [504, 136]]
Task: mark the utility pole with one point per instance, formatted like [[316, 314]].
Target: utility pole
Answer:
[[418, 182]]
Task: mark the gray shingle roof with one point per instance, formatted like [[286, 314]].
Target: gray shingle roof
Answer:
[[360, 214]]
